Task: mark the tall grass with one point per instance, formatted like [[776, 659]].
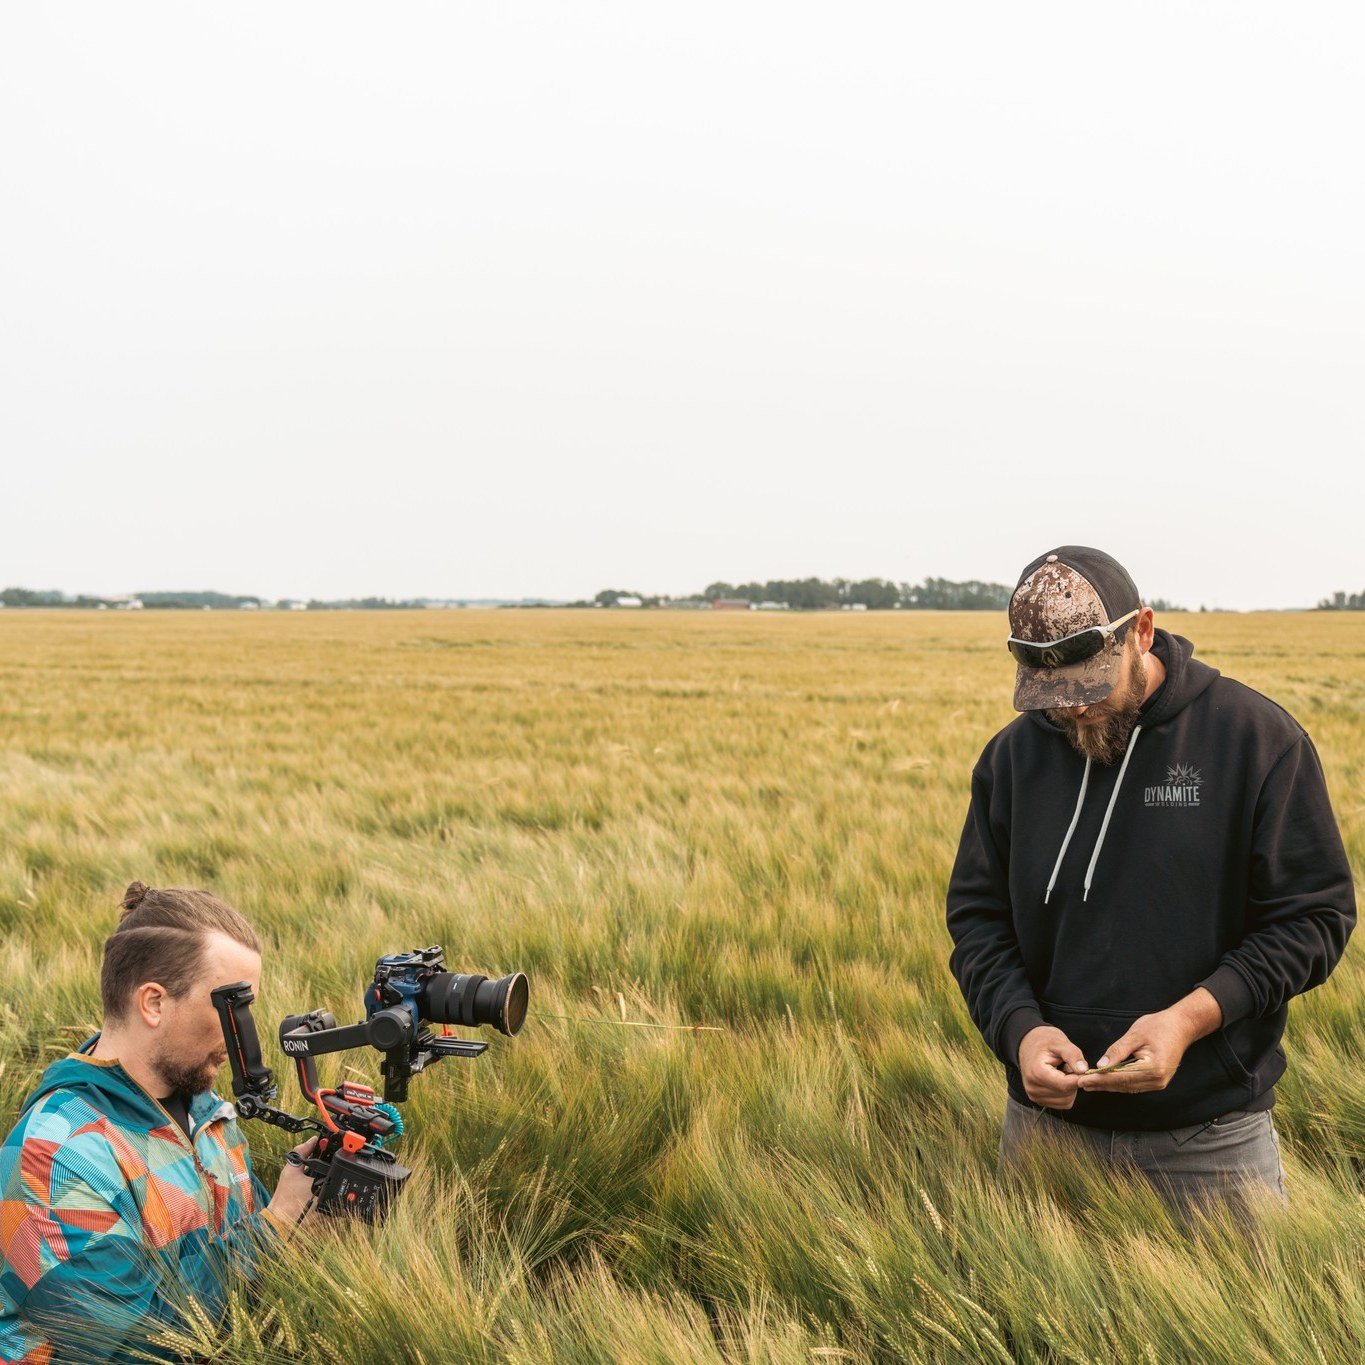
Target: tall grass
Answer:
[[746, 822]]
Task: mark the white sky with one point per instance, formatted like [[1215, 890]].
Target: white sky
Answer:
[[492, 300]]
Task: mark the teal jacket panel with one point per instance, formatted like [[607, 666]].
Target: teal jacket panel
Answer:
[[112, 1221]]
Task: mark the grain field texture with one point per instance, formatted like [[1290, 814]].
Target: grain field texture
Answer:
[[680, 818]]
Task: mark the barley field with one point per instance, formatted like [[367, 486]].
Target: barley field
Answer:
[[744, 822]]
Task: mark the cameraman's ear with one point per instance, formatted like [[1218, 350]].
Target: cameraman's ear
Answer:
[[149, 1003]]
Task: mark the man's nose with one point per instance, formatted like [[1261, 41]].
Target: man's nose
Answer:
[[1079, 710]]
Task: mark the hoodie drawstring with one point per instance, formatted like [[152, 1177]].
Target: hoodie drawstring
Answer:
[[1104, 827], [1070, 830], [1109, 810]]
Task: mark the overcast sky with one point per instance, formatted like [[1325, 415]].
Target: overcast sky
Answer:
[[513, 299]]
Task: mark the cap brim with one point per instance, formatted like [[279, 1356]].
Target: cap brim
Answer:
[[1082, 684]]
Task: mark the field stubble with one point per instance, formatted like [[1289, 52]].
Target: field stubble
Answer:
[[745, 822]]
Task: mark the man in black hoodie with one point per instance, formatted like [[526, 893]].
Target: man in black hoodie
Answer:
[[1149, 871]]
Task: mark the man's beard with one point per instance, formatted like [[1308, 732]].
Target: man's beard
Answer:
[[190, 1077], [1105, 741]]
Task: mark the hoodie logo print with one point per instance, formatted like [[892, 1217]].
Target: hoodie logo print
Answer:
[[1181, 788]]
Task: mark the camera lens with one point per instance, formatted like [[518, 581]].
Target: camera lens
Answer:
[[457, 998], [512, 994]]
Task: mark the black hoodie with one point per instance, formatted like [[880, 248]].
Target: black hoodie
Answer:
[[1085, 895]]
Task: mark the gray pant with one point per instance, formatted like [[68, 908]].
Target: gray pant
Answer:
[[1190, 1165]]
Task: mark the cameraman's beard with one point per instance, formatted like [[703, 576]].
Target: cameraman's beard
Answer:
[[1106, 741], [190, 1077]]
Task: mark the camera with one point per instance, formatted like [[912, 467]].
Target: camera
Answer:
[[410, 989], [352, 1171]]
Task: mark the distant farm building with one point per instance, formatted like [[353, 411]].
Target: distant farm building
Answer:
[[629, 602], [773, 606], [732, 604]]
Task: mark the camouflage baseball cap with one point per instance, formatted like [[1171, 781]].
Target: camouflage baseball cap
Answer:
[[1065, 591]]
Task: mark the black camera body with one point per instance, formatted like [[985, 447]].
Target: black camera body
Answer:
[[352, 1171], [410, 989]]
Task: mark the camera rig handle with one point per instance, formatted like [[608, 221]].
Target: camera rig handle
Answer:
[[350, 1170], [250, 1075]]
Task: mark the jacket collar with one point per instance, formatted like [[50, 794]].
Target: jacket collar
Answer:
[[203, 1107]]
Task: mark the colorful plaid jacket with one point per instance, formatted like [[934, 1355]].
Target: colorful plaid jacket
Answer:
[[110, 1217]]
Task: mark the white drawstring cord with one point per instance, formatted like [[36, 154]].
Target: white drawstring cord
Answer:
[[1071, 829], [1109, 810]]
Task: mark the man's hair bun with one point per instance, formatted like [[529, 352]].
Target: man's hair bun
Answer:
[[132, 897], [160, 937]]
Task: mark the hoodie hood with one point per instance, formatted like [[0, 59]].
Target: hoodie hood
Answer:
[[108, 1088], [1186, 678]]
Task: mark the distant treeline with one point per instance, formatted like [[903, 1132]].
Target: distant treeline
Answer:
[[194, 601], [876, 594], [793, 594], [183, 601], [819, 594], [27, 597], [200, 601], [1343, 601]]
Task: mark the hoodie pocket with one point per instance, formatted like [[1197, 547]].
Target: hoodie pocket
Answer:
[[1092, 1030], [1209, 1064]]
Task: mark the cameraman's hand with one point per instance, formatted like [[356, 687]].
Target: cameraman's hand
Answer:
[[295, 1188], [1051, 1064]]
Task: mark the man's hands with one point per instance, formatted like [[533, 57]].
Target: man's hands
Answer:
[[1158, 1041], [295, 1188], [1050, 1064]]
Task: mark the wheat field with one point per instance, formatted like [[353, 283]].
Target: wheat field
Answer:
[[744, 822]]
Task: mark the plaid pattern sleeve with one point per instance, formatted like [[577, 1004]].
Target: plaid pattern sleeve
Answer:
[[77, 1272], [246, 1226], [107, 1230]]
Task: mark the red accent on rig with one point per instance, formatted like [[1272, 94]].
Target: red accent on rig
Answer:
[[351, 1142], [320, 1099]]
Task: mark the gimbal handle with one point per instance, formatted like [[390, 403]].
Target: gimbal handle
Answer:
[[250, 1075]]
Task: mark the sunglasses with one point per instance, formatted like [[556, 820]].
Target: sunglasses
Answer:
[[1070, 649]]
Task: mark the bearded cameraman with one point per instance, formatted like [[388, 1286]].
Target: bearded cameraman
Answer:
[[126, 1186]]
